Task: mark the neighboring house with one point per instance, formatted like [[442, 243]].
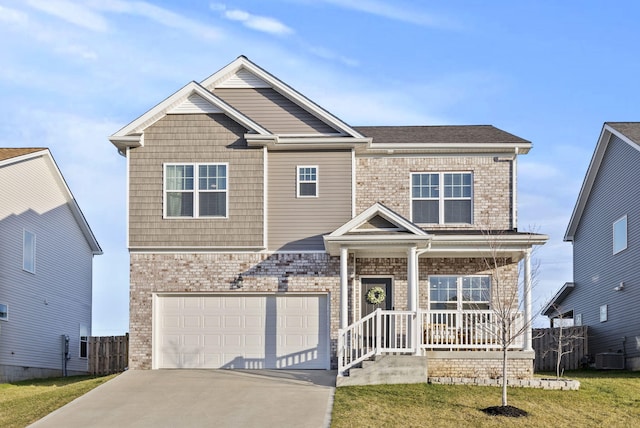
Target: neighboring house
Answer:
[[46, 258], [259, 223], [605, 232]]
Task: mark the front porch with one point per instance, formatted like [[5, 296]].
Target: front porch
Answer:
[[417, 332]]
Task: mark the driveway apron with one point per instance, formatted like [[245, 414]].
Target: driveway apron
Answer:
[[203, 398]]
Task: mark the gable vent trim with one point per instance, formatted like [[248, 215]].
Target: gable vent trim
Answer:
[[194, 104], [244, 79]]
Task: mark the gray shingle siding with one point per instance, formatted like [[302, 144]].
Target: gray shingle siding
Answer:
[[615, 193]]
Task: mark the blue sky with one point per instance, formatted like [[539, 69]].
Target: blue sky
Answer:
[[74, 72]]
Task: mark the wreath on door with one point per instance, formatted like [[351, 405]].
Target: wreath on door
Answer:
[[376, 295]]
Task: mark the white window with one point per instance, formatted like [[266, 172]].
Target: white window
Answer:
[[29, 251], [619, 234], [307, 181], [84, 341], [4, 312], [459, 292], [578, 320], [196, 190], [604, 313], [441, 198]]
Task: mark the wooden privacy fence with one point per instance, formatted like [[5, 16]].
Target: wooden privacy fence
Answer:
[[545, 344], [108, 354]]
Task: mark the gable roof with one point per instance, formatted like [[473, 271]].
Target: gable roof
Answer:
[[9, 156], [554, 305], [629, 132], [438, 138], [377, 228], [131, 134], [238, 74], [243, 73]]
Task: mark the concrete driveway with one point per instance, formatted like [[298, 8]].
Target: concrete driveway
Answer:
[[203, 398]]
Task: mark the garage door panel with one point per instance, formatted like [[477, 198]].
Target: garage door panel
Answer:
[[236, 332]]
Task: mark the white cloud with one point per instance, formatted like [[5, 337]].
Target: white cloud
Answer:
[[264, 24], [396, 11], [72, 12], [12, 16], [158, 14]]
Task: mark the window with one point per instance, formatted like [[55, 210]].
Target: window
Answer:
[[307, 181], [578, 320], [84, 341], [29, 251], [441, 198], [604, 313], [196, 190], [459, 292], [4, 312], [619, 234]]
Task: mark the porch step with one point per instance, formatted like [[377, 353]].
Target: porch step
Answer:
[[387, 369]]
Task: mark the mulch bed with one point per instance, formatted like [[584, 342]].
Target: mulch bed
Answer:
[[510, 411]]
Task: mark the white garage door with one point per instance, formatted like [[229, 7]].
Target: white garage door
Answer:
[[241, 332]]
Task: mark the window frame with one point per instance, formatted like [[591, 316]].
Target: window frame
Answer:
[[460, 301], [28, 254], [6, 312], [83, 328], [442, 198], [315, 181], [604, 313], [621, 245], [196, 191]]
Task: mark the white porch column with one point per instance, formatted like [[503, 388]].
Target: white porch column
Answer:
[[344, 287], [412, 297], [527, 300], [412, 281]]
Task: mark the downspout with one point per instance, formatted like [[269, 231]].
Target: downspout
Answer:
[[514, 191]]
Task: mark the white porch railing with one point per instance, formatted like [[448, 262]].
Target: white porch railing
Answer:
[[391, 331]]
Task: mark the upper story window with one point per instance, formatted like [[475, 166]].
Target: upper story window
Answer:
[[441, 198], [29, 251], [4, 312], [459, 292], [196, 190], [307, 181], [619, 234]]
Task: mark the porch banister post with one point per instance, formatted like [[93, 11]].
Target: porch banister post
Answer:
[[344, 287], [527, 300], [412, 294]]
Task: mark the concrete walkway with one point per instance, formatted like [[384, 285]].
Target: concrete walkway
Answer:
[[203, 398]]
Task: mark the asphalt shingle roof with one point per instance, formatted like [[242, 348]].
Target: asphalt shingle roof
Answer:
[[630, 129], [438, 134], [8, 153]]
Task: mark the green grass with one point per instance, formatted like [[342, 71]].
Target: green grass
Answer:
[[22, 403], [610, 399]]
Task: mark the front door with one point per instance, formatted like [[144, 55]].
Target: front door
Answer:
[[371, 298]]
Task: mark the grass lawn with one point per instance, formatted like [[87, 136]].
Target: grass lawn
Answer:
[[22, 403], [605, 399]]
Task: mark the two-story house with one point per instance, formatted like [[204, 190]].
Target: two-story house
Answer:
[[46, 265], [604, 230], [265, 232]]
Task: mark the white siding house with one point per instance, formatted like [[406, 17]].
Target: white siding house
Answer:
[[46, 258]]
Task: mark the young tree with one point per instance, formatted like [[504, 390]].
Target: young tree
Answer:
[[513, 276], [563, 339]]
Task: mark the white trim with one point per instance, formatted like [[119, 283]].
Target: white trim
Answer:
[[265, 197], [626, 234], [88, 334], [590, 176], [316, 181], [243, 63], [128, 178], [353, 183], [441, 196], [196, 191], [6, 311], [604, 313], [514, 191]]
